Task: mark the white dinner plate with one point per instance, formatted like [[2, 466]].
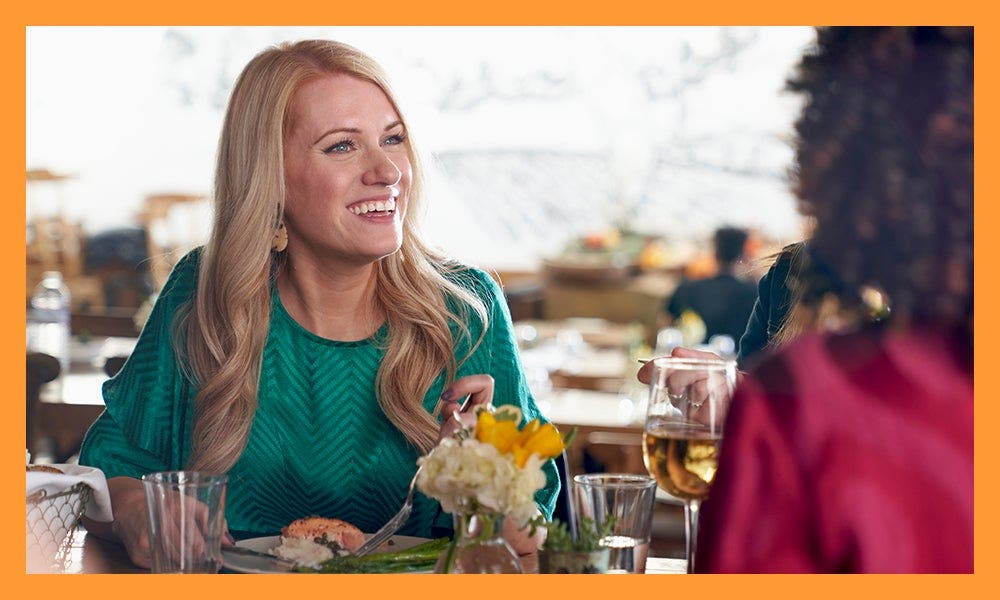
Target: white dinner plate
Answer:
[[249, 564]]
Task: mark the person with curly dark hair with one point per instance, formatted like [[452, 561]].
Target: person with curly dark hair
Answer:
[[851, 449]]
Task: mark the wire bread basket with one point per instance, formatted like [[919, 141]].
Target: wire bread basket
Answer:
[[50, 522]]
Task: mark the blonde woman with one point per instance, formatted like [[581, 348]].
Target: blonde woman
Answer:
[[315, 347]]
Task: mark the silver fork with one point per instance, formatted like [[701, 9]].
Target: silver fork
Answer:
[[394, 523]]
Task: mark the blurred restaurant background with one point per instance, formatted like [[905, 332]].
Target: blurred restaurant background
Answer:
[[586, 168]]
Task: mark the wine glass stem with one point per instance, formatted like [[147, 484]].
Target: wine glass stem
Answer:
[[691, 528]]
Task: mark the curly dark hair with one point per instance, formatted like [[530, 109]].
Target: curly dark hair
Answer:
[[884, 163]]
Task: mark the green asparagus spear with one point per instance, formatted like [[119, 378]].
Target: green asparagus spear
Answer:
[[416, 558]]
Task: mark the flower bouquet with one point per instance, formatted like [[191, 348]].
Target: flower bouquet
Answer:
[[482, 475]]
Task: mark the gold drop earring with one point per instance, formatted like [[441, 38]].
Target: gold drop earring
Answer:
[[280, 241]]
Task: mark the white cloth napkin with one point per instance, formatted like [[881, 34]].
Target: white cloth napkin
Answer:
[[99, 507]]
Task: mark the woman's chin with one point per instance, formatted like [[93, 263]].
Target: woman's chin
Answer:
[[378, 252]]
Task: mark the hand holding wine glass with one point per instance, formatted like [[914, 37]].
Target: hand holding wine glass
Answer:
[[688, 402]]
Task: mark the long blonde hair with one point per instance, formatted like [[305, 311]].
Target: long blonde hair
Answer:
[[226, 325]]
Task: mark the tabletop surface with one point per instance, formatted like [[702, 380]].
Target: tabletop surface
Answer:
[[91, 554]]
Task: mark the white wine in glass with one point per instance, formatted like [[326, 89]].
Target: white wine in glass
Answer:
[[688, 402], [682, 458]]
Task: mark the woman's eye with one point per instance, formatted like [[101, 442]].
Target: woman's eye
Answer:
[[339, 147], [394, 140]]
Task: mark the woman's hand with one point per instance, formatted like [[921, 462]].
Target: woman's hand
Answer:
[[646, 371], [478, 389], [131, 525], [689, 390]]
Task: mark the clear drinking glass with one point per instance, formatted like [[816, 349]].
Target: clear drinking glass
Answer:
[[688, 402], [186, 511], [628, 500]]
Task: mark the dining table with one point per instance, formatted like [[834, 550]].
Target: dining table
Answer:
[[88, 553]]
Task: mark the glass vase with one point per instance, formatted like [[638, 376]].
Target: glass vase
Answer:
[[479, 547]]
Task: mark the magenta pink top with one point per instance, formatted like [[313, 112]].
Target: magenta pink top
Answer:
[[848, 454]]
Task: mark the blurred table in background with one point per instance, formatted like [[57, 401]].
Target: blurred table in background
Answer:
[[578, 353], [609, 428], [108, 322], [632, 299]]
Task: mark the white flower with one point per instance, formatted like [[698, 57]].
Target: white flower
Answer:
[[468, 474]]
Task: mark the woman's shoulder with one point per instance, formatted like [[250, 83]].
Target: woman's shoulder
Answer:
[[815, 361], [809, 353], [190, 260], [472, 279], [183, 278]]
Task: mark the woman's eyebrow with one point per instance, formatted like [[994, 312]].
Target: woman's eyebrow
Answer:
[[337, 130], [354, 130]]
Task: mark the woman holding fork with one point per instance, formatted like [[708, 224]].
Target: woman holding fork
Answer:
[[316, 346]]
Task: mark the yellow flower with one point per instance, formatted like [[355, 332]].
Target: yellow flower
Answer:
[[543, 440], [535, 438], [528, 430], [501, 434]]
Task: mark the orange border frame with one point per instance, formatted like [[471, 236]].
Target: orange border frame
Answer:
[[510, 12]]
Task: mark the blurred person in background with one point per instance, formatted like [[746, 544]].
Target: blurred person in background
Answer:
[[723, 301], [851, 449], [316, 346]]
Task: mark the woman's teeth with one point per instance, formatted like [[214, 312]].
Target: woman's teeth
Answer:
[[380, 206]]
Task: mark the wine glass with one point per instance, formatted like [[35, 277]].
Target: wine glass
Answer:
[[688, 402]]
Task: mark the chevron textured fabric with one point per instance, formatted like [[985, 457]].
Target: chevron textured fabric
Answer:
[[319, 443]]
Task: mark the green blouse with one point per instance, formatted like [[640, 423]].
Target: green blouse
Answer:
[[319, 443]]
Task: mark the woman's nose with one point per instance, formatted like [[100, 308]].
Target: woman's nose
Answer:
[[381, 171]]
